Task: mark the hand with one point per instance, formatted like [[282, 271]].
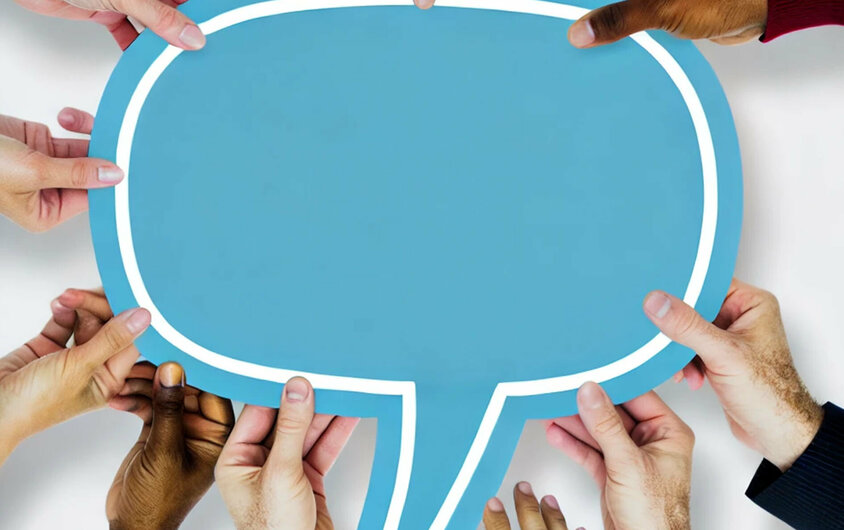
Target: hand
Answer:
[[271, 470], [722, 21], [43, 382], [44, 180], [161, 16], [639, 453], [746, 358], [532, 515], [172, 464]]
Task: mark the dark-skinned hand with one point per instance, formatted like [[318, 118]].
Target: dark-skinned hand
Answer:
[[171, 466]]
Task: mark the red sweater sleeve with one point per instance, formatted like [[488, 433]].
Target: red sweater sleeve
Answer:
[[785, 16]]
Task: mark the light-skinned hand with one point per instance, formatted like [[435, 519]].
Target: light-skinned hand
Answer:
[[44, 382], [272, 467], [44, 181], [171, 466], [532, 515], [161, 16], [639, 454], [722, 21], [745, 356]]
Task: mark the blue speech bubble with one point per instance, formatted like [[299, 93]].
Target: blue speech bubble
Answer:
[[445, 219]]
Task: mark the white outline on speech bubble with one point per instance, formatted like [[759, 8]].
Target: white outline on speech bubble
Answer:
[[407, 389]]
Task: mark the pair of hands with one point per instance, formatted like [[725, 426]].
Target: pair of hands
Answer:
[[639, 453], [185, 430]]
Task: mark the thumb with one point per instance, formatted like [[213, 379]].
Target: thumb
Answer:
[[73, 173], [117, 335], [611, 23], [681, 323], [294, 420], [167, 434], [165, 21], [604, 424]]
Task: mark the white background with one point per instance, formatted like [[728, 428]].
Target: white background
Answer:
[[788, 101]]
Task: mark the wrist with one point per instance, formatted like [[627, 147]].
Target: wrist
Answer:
[[796, 436]]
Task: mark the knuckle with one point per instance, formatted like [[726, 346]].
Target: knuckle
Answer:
[[609, 22], [291, 425], [169, 404], [609, 426], [166, 16], [78, 175], [114, 338]]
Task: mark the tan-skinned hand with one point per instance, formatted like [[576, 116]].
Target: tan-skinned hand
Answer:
[[272, 467], [638, 453], [44, 181], [171, 466], [161, 16], [722, 21], [531, 514], [44, 382], [745, 356]]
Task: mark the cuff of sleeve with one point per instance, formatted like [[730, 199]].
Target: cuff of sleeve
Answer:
[[810, 493], [785, 16]]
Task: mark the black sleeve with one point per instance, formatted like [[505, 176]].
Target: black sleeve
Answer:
[[810, 494]]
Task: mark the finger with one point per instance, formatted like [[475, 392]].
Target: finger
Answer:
[[424, 4], [317, 428], [70, 148], [574, 426], [583, 455], [216, 409], [327, 449], [138, 405], [551, 514], [115, 337], [75, 120], [71, 173], [681, 323], [142, 370], [137, 386], [655, 418], [244, 446], [694, 373], [123, 32], [495, 518], [294, 420], [527, 507], [605, 425], [94, 303], [611, 23], [56, 332], [168, 432], [165, 21]]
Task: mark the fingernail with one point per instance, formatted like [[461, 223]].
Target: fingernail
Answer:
[[171, 374], [657, 304], [56, 305], [591, 396], [525, 488], [581, 34], [137, 320], [495, 505], [110, 174], [69, 298], [551, 502], [67, 118], [192, 38], [296, 390]]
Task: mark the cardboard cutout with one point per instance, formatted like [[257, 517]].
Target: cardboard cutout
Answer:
[[445, 219]]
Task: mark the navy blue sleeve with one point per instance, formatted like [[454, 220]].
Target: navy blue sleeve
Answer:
[[810, 494]]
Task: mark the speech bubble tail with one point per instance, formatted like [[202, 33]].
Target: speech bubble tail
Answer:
[[448, 419]]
